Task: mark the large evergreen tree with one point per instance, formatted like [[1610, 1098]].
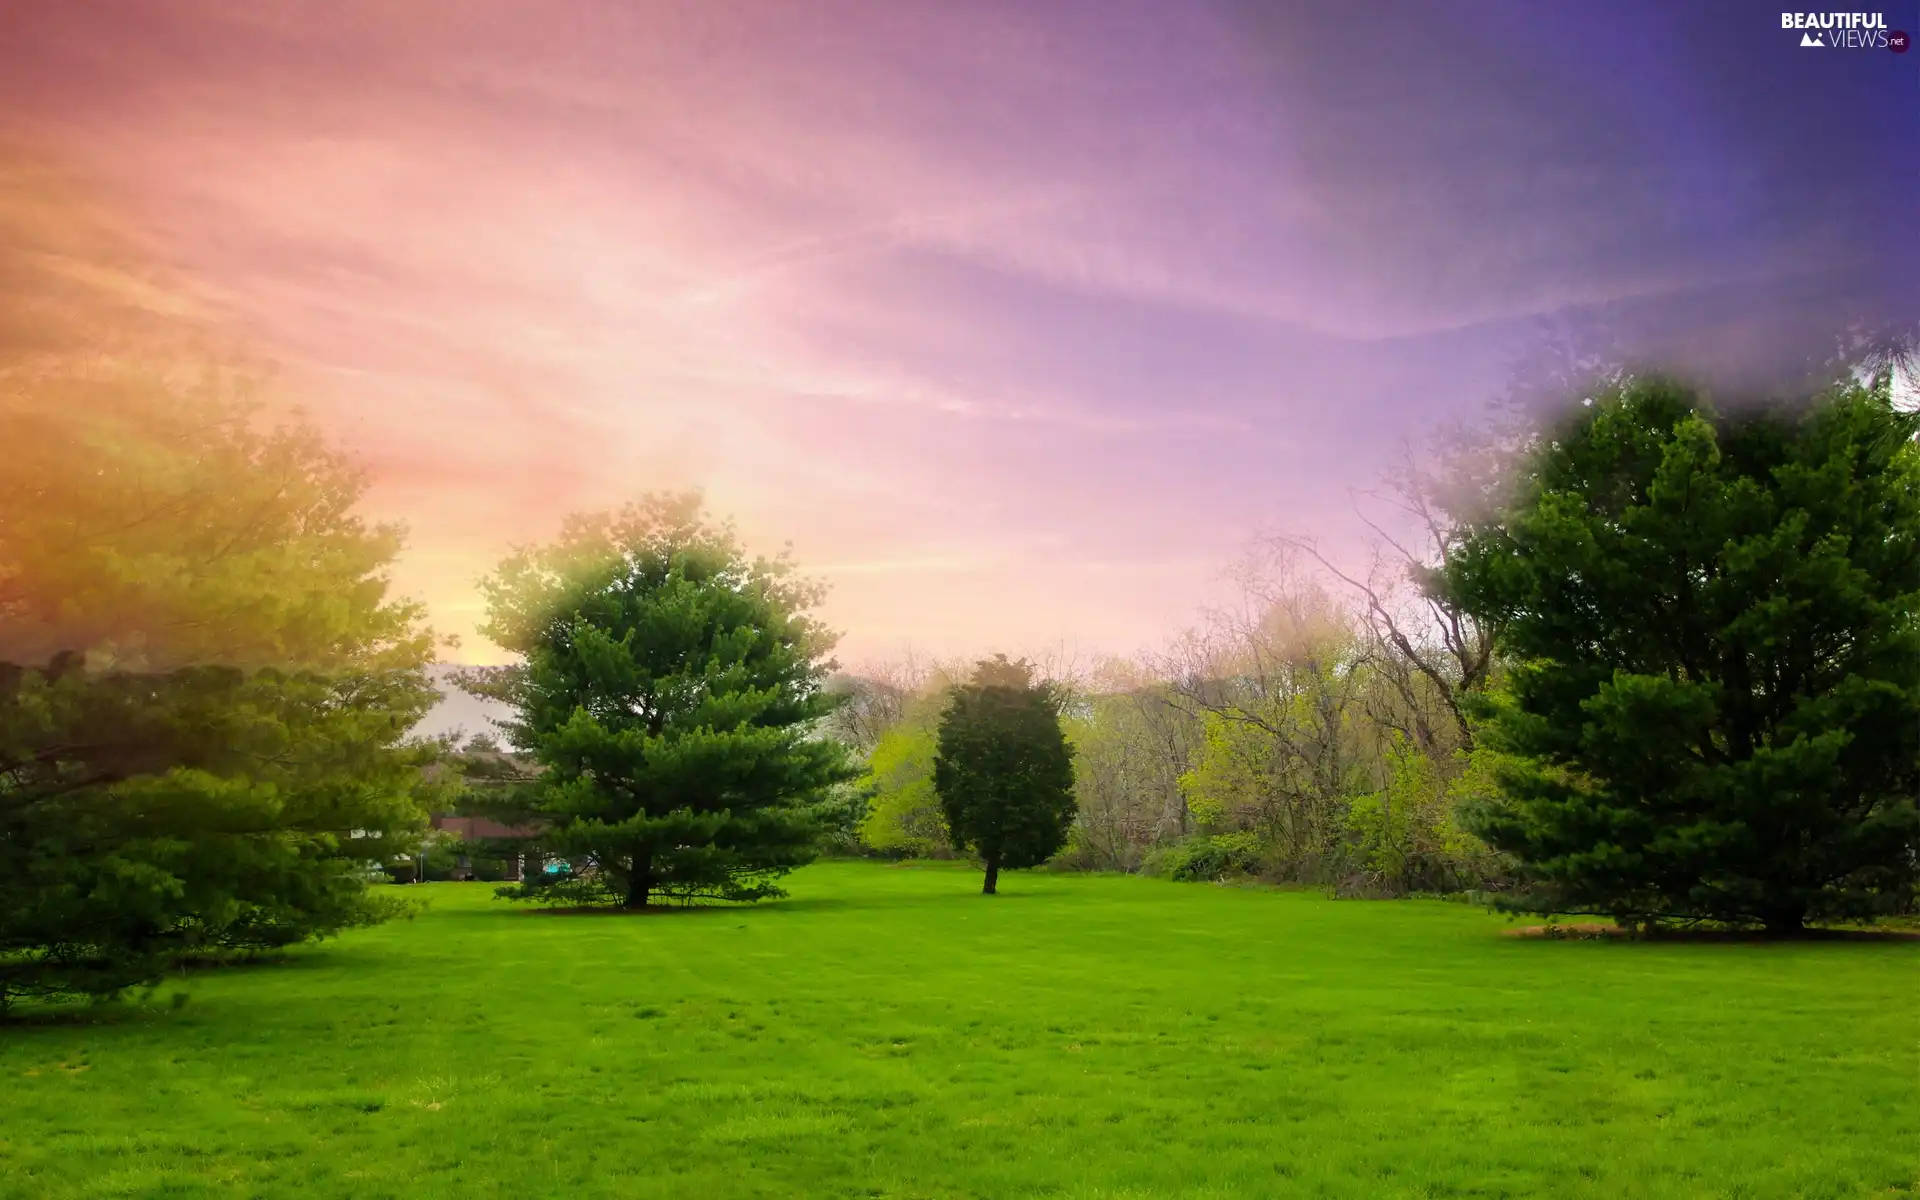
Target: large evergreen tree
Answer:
[[1713, 620], [1004, 770], [672, 688], [205, 692]]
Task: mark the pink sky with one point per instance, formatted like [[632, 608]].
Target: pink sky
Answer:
[[1017, 320]]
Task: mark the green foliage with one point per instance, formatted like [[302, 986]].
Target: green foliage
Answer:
[[1207, 857], [1003, 770], [1715, 627], [214, 747], [437, 858], [1130, 747], [1407, 837], [1283, 752], [905, 816], [1381, 822], [1233, 772], [671, 689], [1394, 829], [838, 815]]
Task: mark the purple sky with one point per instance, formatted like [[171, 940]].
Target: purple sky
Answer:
[[1017, 319]]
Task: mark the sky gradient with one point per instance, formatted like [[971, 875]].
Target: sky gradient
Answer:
[[1016, 319]]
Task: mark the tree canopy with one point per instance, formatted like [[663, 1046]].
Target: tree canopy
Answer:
[[1713, 621], [672, 689], [904, 816], [1004, 769], [207, 691]]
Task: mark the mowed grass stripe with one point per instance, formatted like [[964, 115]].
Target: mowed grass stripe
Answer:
[[888, 1032]]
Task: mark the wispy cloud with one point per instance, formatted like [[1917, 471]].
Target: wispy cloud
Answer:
[[917, 284]]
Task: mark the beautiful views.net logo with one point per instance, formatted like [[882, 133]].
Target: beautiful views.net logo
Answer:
[[1845, 30]]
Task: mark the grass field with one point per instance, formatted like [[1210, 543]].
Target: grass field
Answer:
[[888, 1032]]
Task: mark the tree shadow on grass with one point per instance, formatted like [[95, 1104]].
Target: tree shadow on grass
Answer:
[[959, 894], [64, 1016], [894, 903], [80, 1014], [609, 910], [786, 904], [197, 963], [509, 910], [1597, 932]]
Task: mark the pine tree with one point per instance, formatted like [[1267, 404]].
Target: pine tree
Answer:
[[1004, 770], [1713, 621], [205, 691], [672, 690]]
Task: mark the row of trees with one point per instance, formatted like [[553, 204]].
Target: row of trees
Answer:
[[1657, 661], [671, 699], [207, 691], [1288, 738], [1673, 673]]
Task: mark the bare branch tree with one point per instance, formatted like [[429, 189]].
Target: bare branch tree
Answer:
[[1406, 610]]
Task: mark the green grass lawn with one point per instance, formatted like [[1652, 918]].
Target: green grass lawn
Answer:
[[889, 1032]]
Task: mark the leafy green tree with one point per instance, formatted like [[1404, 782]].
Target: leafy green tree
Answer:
[[1004, 770], [904, 816], [672, 690], [1714, 622], [205, 691]]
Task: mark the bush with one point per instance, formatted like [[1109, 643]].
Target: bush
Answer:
[[439, 858], [903, 817], [1206, 858]]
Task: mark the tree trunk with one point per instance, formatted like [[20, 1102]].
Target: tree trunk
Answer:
[[639, 885], [1786, 922], [993, 877]]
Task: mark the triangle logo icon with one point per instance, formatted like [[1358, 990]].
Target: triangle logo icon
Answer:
[[1812, 39]]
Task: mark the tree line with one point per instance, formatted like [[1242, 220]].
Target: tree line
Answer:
[[1673, 674], [1654, 659]]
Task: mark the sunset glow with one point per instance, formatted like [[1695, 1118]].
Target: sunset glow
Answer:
[[1016, 320]]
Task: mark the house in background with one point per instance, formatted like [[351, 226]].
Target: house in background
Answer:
[[483, 847], [469, 830]]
